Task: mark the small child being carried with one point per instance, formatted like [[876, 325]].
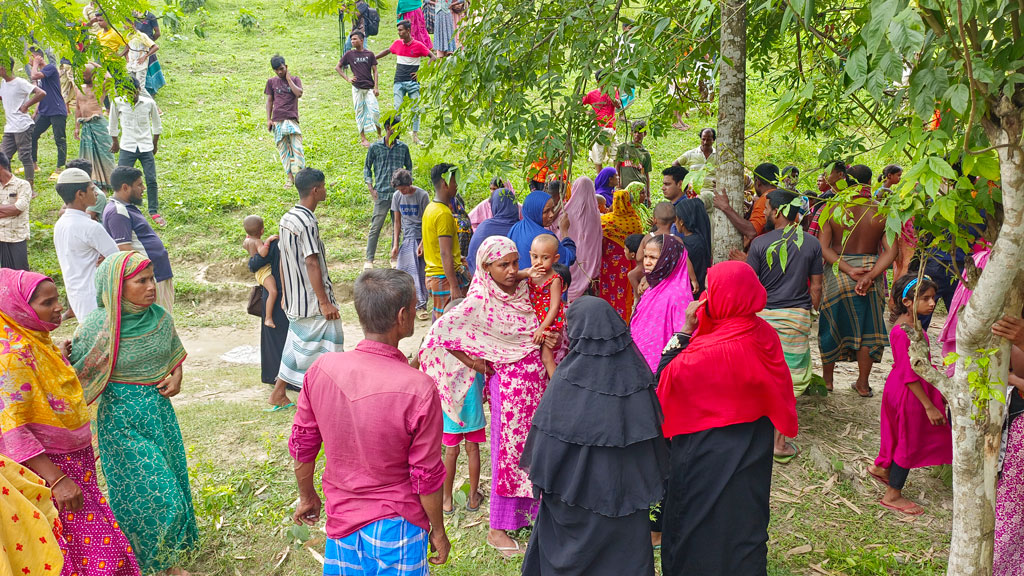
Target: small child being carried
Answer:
[[546, 287], [254, 244]]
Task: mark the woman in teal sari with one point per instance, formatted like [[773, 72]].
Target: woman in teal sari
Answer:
[[128, 353]]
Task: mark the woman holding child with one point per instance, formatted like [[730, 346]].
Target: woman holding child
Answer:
[[491, 332]]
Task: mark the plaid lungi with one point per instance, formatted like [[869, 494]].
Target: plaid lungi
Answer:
[[793, 325], [440, 293], [849, 321], [389, 547], [308, 339], [414, 266]]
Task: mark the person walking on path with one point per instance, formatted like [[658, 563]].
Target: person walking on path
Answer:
[[15, 197], [408, 50], [314, 324], [128, 355], [81, 243], [363, 64], [45, 426], [128, 227], [381, 440], [18, 96], [139, 122], [283, 91], [382, 160], [52, 110], [91, 130]]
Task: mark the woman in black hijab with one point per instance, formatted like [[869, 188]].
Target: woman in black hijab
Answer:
[[596, 453], [694, 228]]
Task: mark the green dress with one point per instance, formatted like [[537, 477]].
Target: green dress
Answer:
[[120, 352]]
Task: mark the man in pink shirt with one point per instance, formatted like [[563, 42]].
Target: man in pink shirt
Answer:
[[605, 108], [379, 422]]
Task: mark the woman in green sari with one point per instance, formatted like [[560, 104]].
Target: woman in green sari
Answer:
[[128, 353]]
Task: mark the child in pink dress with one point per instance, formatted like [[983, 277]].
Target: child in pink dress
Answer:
[[914, 429]]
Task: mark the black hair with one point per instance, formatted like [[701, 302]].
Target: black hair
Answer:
[[536, 185], [664, 206], [379, 295], [782, 201], [839, 166], [554, 189], [714, 135], [889, 171], [357, 33], [68, 190], [392, 121], [860, 174], [5, 162], [896, 305], [438, 171], [307, 179], [404, 24], [498, 182], [563, 272], [124, 175], [678, 173], [35, 50], [767, 173], [633, 241], [790, 169], [276, 61], [639, 125], [82, 164], [401, 177]]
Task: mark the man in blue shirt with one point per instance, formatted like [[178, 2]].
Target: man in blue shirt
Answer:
[[52, 110]]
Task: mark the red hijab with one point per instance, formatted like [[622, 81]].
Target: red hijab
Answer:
[[733, 370]]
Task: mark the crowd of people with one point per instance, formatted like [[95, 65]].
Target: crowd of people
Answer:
[[596, 347]]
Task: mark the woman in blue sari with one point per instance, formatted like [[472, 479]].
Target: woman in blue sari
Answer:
[[505, 215]]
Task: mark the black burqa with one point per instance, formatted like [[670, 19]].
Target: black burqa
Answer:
[[698, 244], [595, 453]]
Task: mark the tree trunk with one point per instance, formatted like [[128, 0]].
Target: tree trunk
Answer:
[[732, 106], [977, 436]]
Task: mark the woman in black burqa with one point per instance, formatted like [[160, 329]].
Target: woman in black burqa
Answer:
[[595, 453]]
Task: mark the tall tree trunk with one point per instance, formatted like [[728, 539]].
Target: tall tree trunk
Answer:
[[977, 433], [732, 106]]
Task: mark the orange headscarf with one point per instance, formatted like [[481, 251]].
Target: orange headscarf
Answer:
[[622, 220]]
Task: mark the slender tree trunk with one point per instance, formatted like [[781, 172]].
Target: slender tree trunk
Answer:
[[977, 433], [732, 107]]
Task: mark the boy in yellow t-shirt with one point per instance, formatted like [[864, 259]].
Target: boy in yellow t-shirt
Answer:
[[441, 251]]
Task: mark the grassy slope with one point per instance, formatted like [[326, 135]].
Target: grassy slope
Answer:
[[217, 163]]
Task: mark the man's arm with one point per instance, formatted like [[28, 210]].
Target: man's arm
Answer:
[[426, 471], [448, 264], [368, 172], [295, 87], [340, 68], [885, 259], [154, 119], [316, 278], [38, 94], [815, 290], [744, 227], [376, 92], [36, 71], [270, 111], [112, 127], [407, 161], [304, 446], [382, 54], [396, 216]]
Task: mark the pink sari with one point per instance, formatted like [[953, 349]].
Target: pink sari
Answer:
[[661, 311], [960, 297]]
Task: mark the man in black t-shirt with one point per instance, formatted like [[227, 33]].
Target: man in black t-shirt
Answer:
[[363, 64]]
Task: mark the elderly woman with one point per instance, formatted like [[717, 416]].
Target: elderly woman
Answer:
[[721, 414], [662, 309], [491, 332], [44, 423], [584, 218], [596, 453], [616, 225], [128, 353], [539, 212]]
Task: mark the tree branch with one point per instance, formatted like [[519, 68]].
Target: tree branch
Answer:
[[920, 361], [970, 71]]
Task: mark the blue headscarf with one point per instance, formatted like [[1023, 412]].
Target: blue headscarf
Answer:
[[601, 184], [532, 226], [505, 214]]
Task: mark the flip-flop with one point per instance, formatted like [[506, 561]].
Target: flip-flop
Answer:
[[913, 510], [158, 219], [881, 479], [279, 407], [870, 393], [448, 512], [787, 458], [482, 497], [509, 552]]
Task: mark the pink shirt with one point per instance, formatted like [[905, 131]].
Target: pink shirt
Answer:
[[604, 107], [379, 421]]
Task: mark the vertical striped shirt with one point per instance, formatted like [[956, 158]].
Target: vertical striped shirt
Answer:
[[300, 237]]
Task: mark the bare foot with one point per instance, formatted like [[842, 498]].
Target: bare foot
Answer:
[[278, 399], [269, 323], [475, 500], [416, 139], [681, 125], [655, 539], [504, 543], [446, 504]]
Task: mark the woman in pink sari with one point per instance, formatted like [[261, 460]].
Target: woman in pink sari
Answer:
[[662, 308], [491, 332], [585, 228]]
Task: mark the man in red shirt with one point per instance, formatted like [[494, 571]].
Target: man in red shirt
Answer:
[[409, 51], [379, 422], [605, 108]]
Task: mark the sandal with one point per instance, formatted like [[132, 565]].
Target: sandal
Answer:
[[787, 458], [158, 219], [482, 497], [881, 479], [280, 407], [870, 393], [508, 552], [913, 510]]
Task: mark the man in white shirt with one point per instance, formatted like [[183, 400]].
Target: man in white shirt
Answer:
[[137, 140], [18, 96], [705, 154], [15, 195], [81, 242]]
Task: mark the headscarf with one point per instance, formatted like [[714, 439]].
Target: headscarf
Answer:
[[505, 210], [41, 405], [733, 370], [532, 226], [489, 323], [484, 210], [622, 220], [145, 334], [585, 227], [661, 311], [465, 227], [601, 184], [596, 440], [695, 217]]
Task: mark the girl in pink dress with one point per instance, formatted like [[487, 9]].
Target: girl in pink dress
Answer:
[[914, 429]]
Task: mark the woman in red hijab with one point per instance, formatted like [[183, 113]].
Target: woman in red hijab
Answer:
[[724, 389]]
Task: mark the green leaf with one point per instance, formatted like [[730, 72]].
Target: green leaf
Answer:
[[958, 96], [857, 67], [941, 167], [661, 25]]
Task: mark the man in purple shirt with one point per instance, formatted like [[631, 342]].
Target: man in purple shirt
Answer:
[[379, 422], [52, 110]]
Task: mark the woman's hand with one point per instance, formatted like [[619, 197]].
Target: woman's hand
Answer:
[[171, 385], [691, 316], [552, 339], [934, 416], [67, 494], [65, 349]]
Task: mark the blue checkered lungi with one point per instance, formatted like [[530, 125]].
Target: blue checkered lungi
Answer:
[[389, 547]]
